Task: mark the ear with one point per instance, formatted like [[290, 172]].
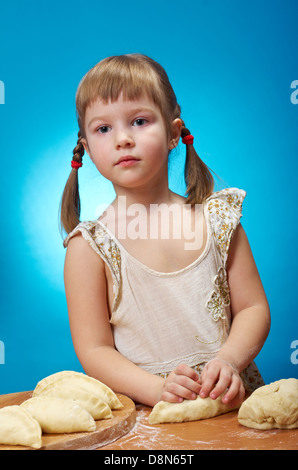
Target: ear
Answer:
[[85, 145], [175, 133]]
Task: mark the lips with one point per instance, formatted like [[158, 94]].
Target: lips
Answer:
[[127, 160]]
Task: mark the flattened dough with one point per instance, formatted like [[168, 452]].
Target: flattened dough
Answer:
[[18, 427], [272, 406], [75, 380], [188, 410], [58, 415]]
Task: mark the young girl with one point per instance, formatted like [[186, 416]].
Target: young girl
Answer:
[[156, 315]]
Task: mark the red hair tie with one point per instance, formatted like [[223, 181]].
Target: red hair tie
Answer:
[[188, 139], [75, 164]]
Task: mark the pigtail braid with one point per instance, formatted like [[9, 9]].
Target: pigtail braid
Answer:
[[198, 178], [70, 207]]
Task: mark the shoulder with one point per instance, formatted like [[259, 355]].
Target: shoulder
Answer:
[[82, 247], [228, 200], [93, 240], [94, 233], [80, 256], [89, 231], [224, 210]]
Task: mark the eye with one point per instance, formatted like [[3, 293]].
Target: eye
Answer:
[[103, 129], [139, 122]]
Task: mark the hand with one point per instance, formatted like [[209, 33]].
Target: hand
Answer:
[[182, 383], [218, 376]]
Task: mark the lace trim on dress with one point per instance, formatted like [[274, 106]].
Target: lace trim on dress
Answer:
[[224, 208], [220, 296]]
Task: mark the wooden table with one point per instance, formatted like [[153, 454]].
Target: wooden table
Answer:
[[221, 432]]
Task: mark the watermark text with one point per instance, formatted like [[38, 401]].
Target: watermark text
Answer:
[[294, 355], [156, 222], [2, 353], [2, 93], [294, 94]]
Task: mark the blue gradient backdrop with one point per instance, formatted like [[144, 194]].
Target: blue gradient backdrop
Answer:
[[231, 63]]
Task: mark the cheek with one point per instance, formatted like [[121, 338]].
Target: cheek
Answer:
[[96, 152], [160, 149], [157, 143], [99, 160]]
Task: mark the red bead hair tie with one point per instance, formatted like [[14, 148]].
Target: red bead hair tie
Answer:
[[188, 139], [75, 164]]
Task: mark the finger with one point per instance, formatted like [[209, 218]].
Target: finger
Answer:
[[184, 369], [170, 397], [210, 376], [224, 382], [235, 394], [181, 391], [188, 383], [233, 390]]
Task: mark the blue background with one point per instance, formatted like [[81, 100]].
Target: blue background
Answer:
[[231, 64]]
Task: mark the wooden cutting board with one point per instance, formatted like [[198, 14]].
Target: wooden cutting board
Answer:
[[107, 430]]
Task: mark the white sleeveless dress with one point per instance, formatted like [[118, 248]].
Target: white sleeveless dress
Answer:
[[161, 320]]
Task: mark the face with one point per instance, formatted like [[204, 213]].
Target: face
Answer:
[[128, 142]]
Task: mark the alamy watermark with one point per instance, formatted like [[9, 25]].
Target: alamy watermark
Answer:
[[294, 94], [2, 93], [2, 353], [294, 355], [2, 347], [156, 222]]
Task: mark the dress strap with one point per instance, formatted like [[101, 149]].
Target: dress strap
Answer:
[[225, 210]]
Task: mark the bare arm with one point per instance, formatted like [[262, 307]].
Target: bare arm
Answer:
[[86, 293], [250, 321], [250, 310]]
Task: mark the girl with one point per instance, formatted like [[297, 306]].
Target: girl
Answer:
[[152, 315]]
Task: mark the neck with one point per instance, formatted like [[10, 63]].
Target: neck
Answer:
[[144, 196]]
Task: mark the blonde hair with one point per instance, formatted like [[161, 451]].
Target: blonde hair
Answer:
[[133, 75]]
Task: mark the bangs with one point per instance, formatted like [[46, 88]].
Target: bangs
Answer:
[[132, 75]]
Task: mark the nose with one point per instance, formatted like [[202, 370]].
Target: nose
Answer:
[[124, 139]]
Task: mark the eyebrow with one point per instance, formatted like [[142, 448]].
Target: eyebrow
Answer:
[[137, 110]]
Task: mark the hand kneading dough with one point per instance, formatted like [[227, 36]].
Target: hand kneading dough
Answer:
[[188, 410], [272, 406], [18, 427], [57, 415], [71, 379]]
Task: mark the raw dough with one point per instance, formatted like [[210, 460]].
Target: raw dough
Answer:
[[58, 415], [272, 406], [18, 427], [71, 379], [188, 410], [94, 404]]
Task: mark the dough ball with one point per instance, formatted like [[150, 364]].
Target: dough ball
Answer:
[[272, 406]]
